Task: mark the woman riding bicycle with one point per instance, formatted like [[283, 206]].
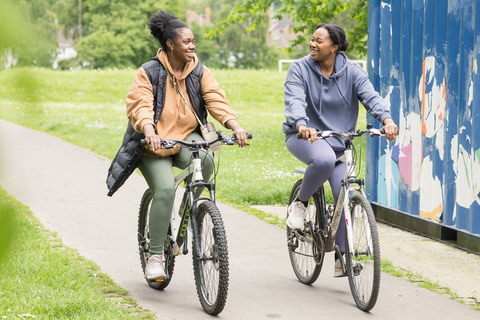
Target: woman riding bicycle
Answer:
[[322, 91], [169, 95]]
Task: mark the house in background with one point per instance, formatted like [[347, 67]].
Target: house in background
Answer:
[[280, 32], [65, 49], [200, 19]]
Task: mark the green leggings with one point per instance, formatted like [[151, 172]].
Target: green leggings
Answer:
[[159, 175]]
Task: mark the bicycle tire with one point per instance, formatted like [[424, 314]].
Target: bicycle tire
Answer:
[[143, 241], [306, 256], [363, 265], [211, 271]]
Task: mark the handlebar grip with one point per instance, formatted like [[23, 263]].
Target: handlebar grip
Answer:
[[249, 136], [299, 136], [382, 131]]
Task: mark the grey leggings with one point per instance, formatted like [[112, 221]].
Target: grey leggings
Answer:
[[160, 179], [320, 158]]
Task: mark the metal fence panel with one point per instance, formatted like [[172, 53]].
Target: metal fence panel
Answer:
[[422, 57]]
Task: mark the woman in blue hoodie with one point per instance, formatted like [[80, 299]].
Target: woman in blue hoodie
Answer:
[[322, 91]]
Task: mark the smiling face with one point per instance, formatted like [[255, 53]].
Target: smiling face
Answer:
[[321, 45], [183, 46]]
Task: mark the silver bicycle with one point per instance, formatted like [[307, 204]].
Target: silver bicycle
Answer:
[[307, 247]]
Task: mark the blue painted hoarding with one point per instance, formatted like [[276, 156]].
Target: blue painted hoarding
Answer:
[[423, 58]]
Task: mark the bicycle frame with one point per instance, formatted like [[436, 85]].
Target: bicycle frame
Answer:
[[348, 188], [350, 185], [188, 206]]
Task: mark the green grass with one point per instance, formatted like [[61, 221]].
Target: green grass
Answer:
[[43, 279], [388, 267], [87, 107]]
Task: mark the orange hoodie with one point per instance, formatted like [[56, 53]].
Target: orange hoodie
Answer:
[[177, 120]]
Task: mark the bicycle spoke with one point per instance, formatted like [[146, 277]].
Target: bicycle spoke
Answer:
[[209, 270], [143, 237], [305, 256], [211, 263], [363, 263]]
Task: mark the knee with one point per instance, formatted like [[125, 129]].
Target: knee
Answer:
[[325, 163], [163, 193]]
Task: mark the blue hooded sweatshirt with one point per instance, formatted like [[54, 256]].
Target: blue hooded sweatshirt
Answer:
[[329, 103]]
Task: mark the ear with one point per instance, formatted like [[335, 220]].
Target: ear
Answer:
[[170, 44], [334, 49]]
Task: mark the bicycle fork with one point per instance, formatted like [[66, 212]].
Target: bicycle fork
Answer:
[[350, 217]]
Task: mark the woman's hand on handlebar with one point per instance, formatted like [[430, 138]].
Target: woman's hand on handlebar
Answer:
[[307, 132], [240, 133], [151, 138], [241, 136], [390, 128]]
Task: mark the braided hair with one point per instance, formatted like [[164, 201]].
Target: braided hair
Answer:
[[163, 26], [337, 34]]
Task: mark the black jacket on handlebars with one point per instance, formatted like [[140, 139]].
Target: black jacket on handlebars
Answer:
[[130, 153]]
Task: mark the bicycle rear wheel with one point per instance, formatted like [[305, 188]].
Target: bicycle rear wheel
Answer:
[[306, 247], [210, 265], [143, 236], [363, 264]]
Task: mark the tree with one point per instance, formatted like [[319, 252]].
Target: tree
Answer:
[[36, 41], [116, 32], [306, 14], [233, 48]]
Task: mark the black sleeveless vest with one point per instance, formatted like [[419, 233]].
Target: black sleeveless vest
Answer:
[[130, 153]]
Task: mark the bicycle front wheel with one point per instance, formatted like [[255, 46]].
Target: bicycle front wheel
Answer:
[[306, 247], [210, 265], [363, 263], [143, 236]]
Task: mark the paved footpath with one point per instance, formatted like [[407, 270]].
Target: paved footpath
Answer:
[[64, 186]]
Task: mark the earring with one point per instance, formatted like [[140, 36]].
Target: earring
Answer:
[[171, 52]]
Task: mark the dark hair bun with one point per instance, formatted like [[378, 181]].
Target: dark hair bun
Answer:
[[344, 46], [163, 26]]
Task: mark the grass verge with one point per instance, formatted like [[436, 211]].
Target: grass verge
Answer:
[[41, 278], [388, 267]]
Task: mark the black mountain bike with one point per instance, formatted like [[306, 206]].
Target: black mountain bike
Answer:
[[201, 215]]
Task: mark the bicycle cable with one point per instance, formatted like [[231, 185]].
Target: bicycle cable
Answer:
[[358, 155]]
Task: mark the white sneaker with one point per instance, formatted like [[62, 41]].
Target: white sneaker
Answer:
[[339, 269], [296, 215], [154, 269]]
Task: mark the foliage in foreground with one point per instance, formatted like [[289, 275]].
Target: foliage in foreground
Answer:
[[43, 279]]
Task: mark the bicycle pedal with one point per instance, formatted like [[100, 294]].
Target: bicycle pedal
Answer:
[[176, 250]]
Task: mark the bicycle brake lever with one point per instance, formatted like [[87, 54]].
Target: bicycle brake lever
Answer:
[[167, 144], [376, 132]]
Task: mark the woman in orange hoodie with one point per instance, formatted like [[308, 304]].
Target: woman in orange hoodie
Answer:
[[156, 108]]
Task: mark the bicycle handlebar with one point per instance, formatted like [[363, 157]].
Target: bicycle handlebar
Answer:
[[347, 135], [199, 144]]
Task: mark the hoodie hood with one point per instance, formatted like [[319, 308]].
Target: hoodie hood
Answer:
[[187, 69], [340, 66]]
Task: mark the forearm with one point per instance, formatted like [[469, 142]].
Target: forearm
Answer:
[[233, 125]]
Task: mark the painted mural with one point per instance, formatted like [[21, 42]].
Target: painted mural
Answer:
[[425, 66]]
